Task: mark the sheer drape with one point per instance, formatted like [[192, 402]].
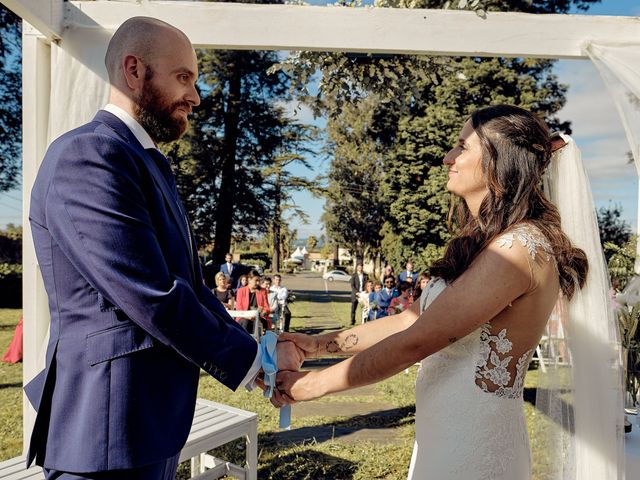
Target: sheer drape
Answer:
[[579, 402], [79, 83], [619, 66]]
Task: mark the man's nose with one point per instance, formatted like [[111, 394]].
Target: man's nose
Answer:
[[192, 97]]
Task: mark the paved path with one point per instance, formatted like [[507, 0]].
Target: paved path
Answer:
[[372, 418]]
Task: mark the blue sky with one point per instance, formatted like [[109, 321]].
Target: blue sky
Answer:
[[596, 126]]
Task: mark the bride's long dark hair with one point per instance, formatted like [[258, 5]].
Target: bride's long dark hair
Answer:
[[516, 150]]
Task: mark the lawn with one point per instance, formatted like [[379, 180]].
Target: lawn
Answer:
[[10, 390], [278, 458]]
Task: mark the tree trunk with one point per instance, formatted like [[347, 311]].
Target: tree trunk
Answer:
[[223, 217], [336, 255], [277, 225]]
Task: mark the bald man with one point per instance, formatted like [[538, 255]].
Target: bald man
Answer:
[[132, 322]]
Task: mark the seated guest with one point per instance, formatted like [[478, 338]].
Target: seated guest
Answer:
[[403, 301], [374, 306], [386, 272], [408, 275], [363, 299], [222, 292], [283, 314], [272, 300], [385, 295], [420, 285], [253, 297], [243, 281]]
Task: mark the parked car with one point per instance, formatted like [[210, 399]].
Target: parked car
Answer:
[[337, 275]]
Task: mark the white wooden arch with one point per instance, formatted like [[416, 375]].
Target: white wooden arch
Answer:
[[276, 27]]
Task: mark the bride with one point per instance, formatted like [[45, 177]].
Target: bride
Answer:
[[484, 312]]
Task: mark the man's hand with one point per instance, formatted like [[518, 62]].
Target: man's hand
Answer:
[[290, 357], [278, 399], [307, 344], [299, 386]]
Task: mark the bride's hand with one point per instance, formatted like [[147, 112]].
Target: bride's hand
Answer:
[[299, 386], [307, 343]]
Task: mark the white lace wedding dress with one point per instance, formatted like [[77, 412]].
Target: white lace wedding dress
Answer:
[[470, 422]]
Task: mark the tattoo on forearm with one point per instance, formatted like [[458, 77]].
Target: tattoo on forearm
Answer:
[[349, 342], [453, 340], [332, 347]]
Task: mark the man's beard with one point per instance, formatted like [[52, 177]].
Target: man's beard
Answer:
[[154, 114]]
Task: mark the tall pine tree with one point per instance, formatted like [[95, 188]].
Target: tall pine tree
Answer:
[[10, 99]]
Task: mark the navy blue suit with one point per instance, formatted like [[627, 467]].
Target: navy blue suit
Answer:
[[236, 272], [402, 277], [131, 321]]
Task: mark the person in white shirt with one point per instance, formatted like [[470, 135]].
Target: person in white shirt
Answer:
[[282, 315]]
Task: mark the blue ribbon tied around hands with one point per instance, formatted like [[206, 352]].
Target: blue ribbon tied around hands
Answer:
[[268, 344]]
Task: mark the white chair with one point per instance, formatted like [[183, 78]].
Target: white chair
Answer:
[[251, 315], [213, 425], [552, 349]]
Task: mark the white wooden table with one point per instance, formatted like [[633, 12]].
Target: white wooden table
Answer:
[[213, 425]]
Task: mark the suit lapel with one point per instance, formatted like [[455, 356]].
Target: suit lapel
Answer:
[[181, 220], [117, 126]]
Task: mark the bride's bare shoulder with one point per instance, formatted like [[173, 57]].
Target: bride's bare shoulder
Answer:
[[529, 237]]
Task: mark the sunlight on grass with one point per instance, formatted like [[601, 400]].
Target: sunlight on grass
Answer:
[[10, 390]]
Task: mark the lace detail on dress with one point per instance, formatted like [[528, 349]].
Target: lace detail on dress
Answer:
[[495, 369], [530, 237]]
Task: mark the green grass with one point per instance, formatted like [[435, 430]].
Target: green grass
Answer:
[[10, 390], [332, 459]]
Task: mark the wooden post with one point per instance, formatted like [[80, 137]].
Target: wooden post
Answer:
[[36, 80]]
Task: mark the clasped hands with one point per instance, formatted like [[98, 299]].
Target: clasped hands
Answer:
[[293, 385]]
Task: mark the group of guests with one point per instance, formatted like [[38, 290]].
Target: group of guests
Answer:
[[251, 291], [389, 295]]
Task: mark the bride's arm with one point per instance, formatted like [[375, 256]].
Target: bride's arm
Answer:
[[356, 339], [496, 278]]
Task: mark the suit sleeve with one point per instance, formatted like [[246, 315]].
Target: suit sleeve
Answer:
[[97, 212]]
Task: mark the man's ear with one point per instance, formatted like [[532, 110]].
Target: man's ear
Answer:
[[134, 71]]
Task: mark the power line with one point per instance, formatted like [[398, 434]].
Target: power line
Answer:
[[4, 205], [11, 197]]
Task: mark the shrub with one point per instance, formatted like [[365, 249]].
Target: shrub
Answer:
[[10, 285]]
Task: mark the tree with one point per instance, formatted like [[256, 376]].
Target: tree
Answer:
[[294, 140], [234, 137], [11, 244], [417, 105], [312, 242], [354, 207], [415, 184], [613, 229], [621, 261], [10, 100]]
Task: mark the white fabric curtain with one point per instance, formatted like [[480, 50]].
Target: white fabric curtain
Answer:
[[619, 66], [79, 82], [581, 431]]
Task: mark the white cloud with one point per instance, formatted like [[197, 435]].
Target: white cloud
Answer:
[[606, 157], [301, 113], [598, 131], [589, 106]]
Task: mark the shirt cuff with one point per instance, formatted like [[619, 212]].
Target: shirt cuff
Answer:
[[249, 380]]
